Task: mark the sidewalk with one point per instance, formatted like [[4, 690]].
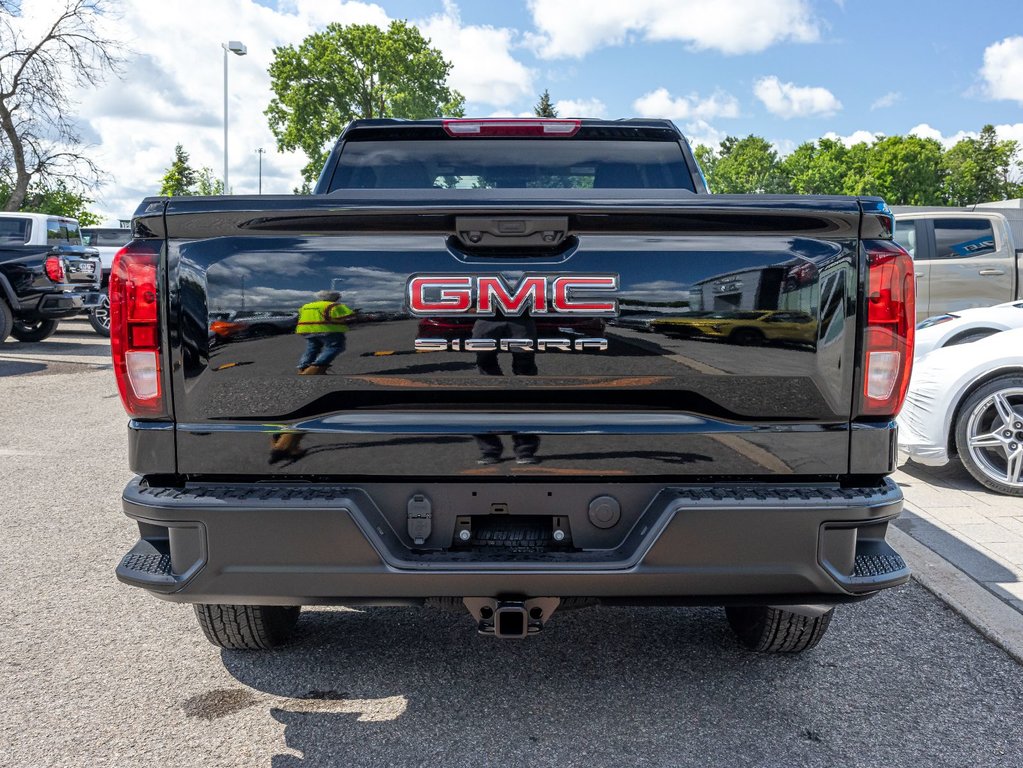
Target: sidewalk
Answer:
[[978, 531]]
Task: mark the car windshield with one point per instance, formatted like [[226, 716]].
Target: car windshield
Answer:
[[512, 164], [106, 238], [14, 231], [63, 232]]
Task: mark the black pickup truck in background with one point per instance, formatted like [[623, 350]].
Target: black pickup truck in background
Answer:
[[447, 410], [46, 274]]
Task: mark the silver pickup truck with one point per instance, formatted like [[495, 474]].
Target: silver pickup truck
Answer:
[[963, 257]]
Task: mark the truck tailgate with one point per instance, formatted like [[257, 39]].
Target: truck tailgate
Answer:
[[730, 350]]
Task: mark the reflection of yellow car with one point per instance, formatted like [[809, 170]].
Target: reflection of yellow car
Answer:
[[746, 327]]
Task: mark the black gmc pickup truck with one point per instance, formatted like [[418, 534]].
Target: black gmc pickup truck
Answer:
[[515, 366]]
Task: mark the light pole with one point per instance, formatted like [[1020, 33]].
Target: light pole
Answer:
[[238, 49], [260, 152]]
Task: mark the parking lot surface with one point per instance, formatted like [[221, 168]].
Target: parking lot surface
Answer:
[[96, 673]]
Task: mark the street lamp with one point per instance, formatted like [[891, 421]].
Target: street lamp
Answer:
[[238, 49]]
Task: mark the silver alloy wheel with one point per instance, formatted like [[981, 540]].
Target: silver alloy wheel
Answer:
[[995, 436], [101, 314]]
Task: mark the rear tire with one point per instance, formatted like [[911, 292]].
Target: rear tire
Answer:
[[747, 337], [37, 330], [774, 630], [6, 321], [99, 318], [247, 627]]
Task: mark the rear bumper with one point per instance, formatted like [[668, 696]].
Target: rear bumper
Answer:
[[328, 544]]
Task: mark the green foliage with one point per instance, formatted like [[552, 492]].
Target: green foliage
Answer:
[[208, 184], [904, 170], [979, 170], [349, 72], [57, 200], [746, 166], [181, 177], [182, 180], [544, 107], [818, 168]]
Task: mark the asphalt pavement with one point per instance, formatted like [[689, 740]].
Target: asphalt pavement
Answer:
[[97, 674]]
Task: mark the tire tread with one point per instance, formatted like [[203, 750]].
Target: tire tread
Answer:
[[246, 627]]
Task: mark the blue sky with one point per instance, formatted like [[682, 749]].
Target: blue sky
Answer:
[[926, 57], [789, 70]]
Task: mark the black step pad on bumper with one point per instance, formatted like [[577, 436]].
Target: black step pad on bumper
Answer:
[[319, 544]]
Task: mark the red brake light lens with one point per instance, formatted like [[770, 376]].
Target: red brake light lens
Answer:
[[497, 126], [54, 269], [134, 328], [891, 315]]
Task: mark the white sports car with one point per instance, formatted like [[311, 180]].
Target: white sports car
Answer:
[[966, 325], [967, 400]]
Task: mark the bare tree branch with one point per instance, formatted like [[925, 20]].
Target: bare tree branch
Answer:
[[39, 142]]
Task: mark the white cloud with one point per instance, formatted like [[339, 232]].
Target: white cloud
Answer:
[[482, 67], [1003, 69], [172, 90], [856, 137], [660, 103], [701, 132], [787, 100], [890, 99], [1005, 132], [580, 108], [574, 28], [924, 131]]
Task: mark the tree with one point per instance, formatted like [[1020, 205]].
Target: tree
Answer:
[[180, 177], [904, 170], [544, 108], [707, 161], [979, 170], [58, 200], [746, 166], [349, 72], [207, 184], [818, 168], [40, 145]]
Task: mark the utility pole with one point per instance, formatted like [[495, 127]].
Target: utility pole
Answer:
[[260, 152], [238, 49]]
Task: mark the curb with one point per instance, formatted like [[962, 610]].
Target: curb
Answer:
[[994, 619]]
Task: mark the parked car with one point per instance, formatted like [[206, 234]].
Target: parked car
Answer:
[[743, 327], [967, 401], [963, 257], [967, 325], [46, 274], [107, 241]]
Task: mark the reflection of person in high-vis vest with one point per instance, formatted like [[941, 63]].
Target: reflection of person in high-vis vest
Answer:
[[322, 324]]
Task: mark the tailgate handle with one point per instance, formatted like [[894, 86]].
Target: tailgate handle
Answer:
[[536, 232]]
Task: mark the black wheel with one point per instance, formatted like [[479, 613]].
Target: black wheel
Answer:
[[746, 337], [247, 627], [99, 318], [989, 435], [774, 630], [33, 330], [6, 321]]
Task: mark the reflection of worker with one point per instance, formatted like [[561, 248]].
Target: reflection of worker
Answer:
[[321, 323], [523, 364]]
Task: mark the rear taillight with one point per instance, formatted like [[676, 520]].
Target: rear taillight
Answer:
[[496, 126], [54, 269], [891, 315], [134, 328]]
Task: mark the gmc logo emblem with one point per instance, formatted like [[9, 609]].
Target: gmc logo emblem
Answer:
[[536, 295]]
